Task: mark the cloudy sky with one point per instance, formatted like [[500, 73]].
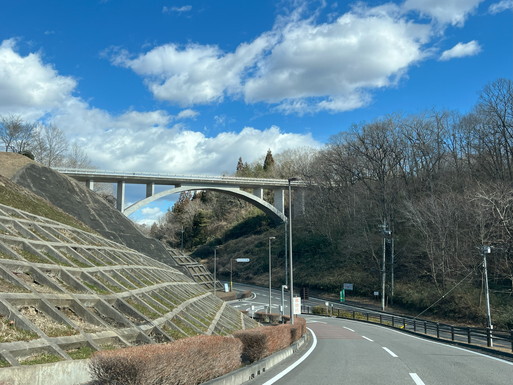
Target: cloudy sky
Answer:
[[187, 87]]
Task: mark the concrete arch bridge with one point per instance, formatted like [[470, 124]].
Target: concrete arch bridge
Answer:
[[236, 186]]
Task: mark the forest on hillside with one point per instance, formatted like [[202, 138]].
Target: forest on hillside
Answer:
[[432, 189]]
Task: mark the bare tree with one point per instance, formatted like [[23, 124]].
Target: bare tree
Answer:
[[50, 145], [16, 134]]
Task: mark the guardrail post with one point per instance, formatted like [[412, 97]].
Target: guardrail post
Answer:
[[354, 314], [415, 326], [338, 313], [404, 323], [380, 319], [488, 337], [469, 338], [452, 333], [511, 336], [368, 321], [437, 330], [425, 327], [393, 321]]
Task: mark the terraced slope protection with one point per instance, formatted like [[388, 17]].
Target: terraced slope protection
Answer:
[[66, 292], [81, 203]]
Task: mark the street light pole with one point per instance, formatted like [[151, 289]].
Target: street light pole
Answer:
[[270, 272], [282, 308], [215, 269], [231, 274], [291, 280]]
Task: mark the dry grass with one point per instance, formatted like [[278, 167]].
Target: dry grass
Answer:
[[189, 361]]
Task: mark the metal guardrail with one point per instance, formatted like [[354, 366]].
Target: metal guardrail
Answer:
[[499, 340]]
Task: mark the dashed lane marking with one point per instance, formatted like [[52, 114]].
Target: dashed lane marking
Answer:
[[417, 379], [390, 352]]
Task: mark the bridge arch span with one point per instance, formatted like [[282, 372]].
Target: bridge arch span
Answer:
[[266, 207]]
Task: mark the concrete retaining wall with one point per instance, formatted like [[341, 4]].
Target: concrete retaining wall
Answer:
[[60, 373]]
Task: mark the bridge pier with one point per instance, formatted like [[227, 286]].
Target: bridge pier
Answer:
[[259, 193], [279, 200], [150, 189], [120, 203], [90, 184]]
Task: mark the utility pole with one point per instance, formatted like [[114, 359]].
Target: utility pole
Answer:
[[386, 233], [487, 250]]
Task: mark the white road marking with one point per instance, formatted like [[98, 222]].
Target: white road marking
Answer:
[[351, 330], [295, 364], [417, 379], [452, 347], [390, 352], [368, 339]]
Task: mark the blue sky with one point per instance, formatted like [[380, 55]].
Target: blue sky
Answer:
[[187, 87]]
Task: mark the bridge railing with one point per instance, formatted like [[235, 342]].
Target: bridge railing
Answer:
[[499, 340], [146, 174]]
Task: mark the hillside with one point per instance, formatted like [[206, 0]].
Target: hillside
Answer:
[[66, 291]]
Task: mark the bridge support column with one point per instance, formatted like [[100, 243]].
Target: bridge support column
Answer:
[[150, 189], [299, 203], [258, 192], [279, 200], [120, 204], [90, 184]]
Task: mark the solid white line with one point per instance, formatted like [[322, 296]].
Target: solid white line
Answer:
[[390, 352], [451, 346], [417, 379], [295, 364], [351, 330], [368, 339]]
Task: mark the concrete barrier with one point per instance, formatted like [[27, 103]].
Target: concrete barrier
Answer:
[[59, 373], [252, 371]]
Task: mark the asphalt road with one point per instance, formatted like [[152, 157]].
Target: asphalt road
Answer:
[[349, 352]]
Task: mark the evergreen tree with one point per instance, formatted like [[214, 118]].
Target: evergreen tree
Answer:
[[269, 161]]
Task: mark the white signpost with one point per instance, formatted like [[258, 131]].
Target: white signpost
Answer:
[[297, 305]]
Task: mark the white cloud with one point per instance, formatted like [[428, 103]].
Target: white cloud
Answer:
[[501, 6], [182, 9], [363, 49], [299, 66], [453, 12], [187, 114], [193, 74], [471, 48], [29, 87]]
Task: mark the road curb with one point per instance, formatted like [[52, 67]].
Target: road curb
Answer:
[[252, 371]]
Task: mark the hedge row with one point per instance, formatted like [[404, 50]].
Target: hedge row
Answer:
[[191, 361], [265, 340]]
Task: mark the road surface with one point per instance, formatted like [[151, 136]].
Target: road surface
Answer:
[[356, 353]]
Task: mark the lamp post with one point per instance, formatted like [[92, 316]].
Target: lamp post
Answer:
[[215, 268], [291, 280], [282, 308], [182, 241], [270, 273], [231, 268]]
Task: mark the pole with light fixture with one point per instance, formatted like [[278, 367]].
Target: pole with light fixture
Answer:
[[215, 268], [291, 280], [270, 274]]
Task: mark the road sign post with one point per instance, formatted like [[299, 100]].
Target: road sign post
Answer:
[[343, 295]]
